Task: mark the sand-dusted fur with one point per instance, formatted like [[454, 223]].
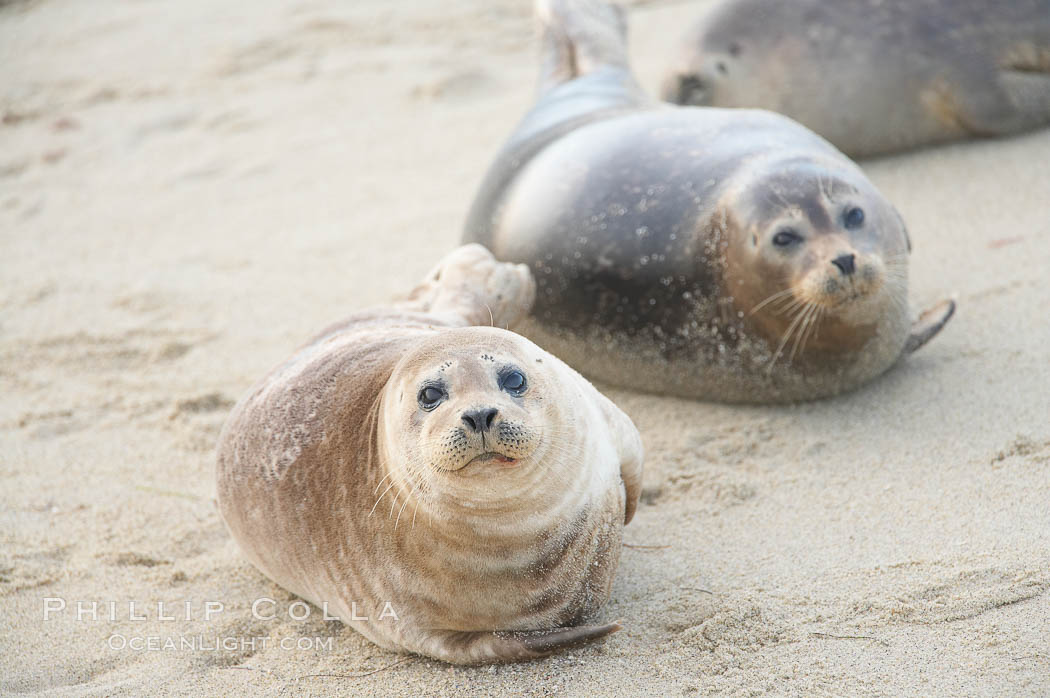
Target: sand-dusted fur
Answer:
[[718, 254], [488, 520], [874, 77]]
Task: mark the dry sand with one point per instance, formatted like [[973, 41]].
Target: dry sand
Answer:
[[190, 189]]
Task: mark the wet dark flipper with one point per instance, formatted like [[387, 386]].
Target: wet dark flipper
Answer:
[[929, 324]]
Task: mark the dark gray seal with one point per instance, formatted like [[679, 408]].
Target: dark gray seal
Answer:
[[716, 254], [874, 76]]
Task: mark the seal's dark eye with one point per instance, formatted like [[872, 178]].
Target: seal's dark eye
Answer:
[[430, 397], [854, 217], [786, 238], [514, 382]]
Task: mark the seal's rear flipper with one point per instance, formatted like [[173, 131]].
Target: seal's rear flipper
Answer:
[[470, 287], [929, 324], [496, 647], [1029, 93], [579, 37]]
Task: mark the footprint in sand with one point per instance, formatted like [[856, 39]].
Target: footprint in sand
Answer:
[[131, 559], [105, 352], [950, 597], [33, 569], [1036, 451], [455, 87], [712, 470]]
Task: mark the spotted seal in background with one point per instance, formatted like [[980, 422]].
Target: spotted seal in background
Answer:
[[874, 76], [457, 472]]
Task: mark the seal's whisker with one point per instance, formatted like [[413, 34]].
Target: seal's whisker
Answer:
[[784, 340], [381, 498], [814, 321], [398, 519], [785, 305], [380, 484], [810, 311], [823, 313], [801, 330], [791, 307], [775, 296]]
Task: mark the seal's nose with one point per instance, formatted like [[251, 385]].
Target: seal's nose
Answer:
[[480, 420], [845, 263], [689, 89]]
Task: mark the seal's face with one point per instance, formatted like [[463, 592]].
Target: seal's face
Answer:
[[702, 77], [816, 250], [471, 407], [713, 55], [731, 58]]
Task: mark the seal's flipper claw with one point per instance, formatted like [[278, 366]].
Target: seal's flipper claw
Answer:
[[929, 324], [508, 646]]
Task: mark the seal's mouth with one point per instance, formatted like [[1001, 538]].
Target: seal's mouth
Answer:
[[843, 295], [493, 457], [847, 299]]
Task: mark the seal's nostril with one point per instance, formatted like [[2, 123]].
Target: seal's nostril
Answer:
[[469, 421], [845, 263]]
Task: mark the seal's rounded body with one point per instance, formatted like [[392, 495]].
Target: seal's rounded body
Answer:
[[481, 525], [654, 235], [874, 77]]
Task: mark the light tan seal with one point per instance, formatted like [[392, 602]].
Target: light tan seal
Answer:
[[874, 76], [717, 254], [444, 488]]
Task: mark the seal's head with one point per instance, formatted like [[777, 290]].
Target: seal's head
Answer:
[[474, 417], [731, 57], [818, 258], [701, 73]]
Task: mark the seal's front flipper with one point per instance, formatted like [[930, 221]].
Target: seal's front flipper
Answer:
[[470, 287], [498, 647], [929, 324]]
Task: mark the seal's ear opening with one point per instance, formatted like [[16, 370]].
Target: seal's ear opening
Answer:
[[904, 229]]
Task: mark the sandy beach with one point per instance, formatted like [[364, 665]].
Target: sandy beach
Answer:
[[189, 190]]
